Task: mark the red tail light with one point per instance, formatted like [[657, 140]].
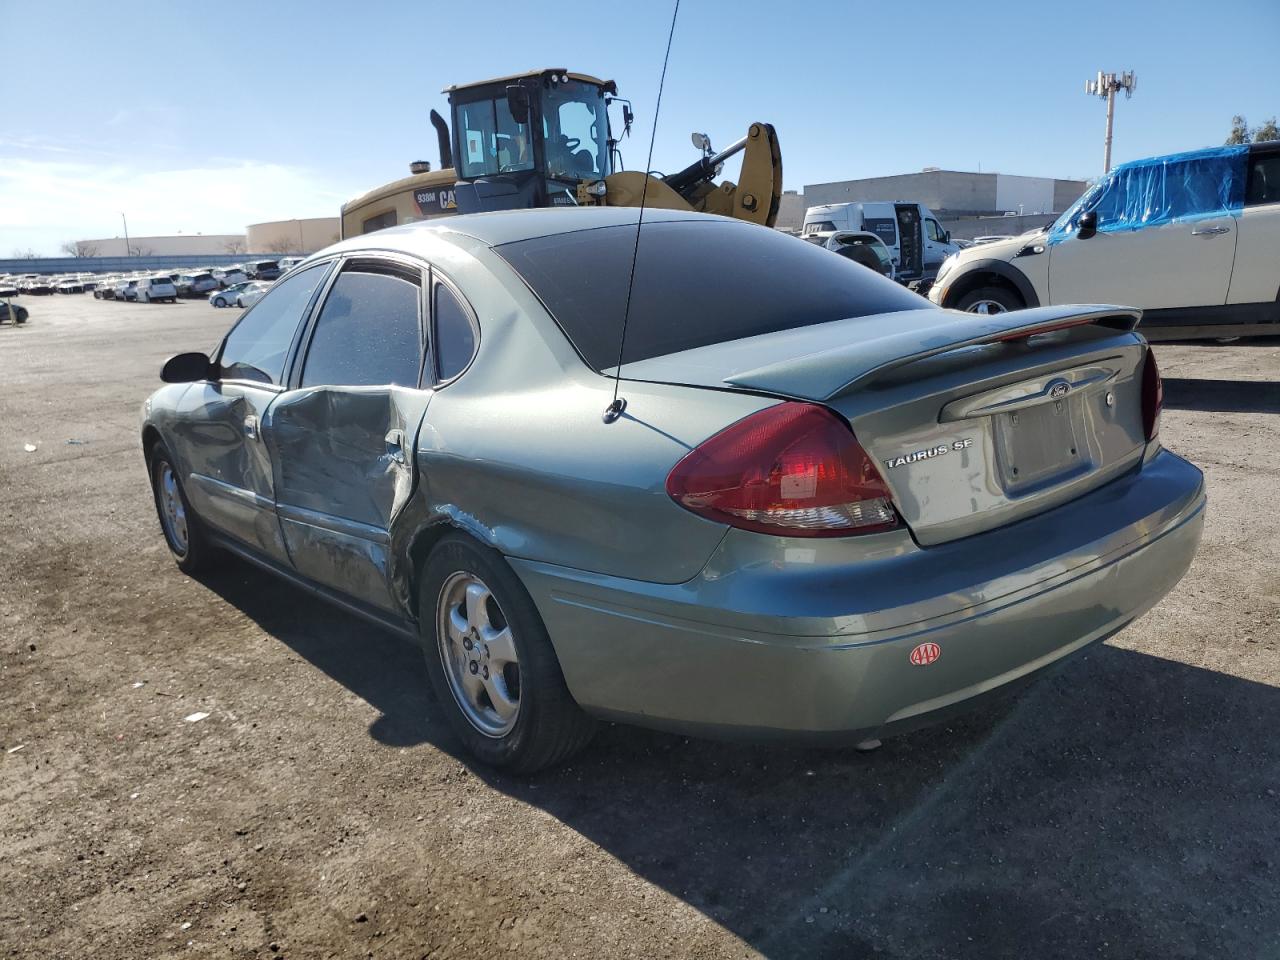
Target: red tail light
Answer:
[[1152, 395], [793, 470]]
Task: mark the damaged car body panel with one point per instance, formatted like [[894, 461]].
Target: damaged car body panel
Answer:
[[1004, 498]]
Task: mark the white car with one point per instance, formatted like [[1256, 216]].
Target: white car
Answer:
[[251, 293], [154, 289], [1191, 238], [229, 276]]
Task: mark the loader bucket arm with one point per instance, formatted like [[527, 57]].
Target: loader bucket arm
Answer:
[[755, 198]]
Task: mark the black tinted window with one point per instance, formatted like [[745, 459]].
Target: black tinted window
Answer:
[[697, 282], [455, 339], [1264, 179], [367, 333], [256, 348]]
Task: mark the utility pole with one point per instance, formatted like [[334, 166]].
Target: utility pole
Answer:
[[1106, 85], [126, 226]]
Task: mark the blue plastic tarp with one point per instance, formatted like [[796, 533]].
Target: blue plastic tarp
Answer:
[[1179, 187]]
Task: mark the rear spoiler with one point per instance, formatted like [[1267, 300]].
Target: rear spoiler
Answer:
[[914, 335]]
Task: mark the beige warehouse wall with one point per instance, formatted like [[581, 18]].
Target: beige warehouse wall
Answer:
[[292, 236], [193, 244]]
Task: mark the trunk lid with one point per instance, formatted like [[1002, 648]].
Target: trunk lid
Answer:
[[975, 421]]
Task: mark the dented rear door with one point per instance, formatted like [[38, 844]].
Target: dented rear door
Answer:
[[342, 439]]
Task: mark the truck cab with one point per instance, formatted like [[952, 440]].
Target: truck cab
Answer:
[[910, 230], [530, 140]]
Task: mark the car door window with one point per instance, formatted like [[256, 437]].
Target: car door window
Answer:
[[933, 230], [455, 337], [257, 346], [368, 332], [1264, 179]]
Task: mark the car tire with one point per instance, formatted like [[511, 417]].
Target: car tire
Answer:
[[184, 534], [990, 300], [20, 315], [547, 726], [219, 302]]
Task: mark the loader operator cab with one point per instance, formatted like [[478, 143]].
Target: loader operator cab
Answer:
[[530, 140]]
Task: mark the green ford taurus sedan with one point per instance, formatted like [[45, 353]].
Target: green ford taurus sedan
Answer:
[[819, 507]]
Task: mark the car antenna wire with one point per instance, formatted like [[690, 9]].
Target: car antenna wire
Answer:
[[619, 404]]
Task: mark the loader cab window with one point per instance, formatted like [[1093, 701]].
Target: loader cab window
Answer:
[[490, 140], [575, 130]]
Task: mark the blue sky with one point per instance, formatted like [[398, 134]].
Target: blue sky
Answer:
[[205, 118]]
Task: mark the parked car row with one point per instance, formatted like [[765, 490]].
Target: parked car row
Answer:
[[187, 282]]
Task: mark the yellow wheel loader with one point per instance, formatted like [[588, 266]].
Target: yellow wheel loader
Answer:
[[544, 139]]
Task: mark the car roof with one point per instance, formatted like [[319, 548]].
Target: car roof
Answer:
[[511, 226]]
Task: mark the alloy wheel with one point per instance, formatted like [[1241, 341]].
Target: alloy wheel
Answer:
[[986, 306], [478, 652], [173, 513]]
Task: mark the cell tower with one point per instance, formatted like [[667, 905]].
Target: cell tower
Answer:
[[1106, 85]]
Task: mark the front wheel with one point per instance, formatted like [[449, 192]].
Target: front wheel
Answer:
[[20, 315], [990, 300], [183, 532], [219, 302], [492, 666]]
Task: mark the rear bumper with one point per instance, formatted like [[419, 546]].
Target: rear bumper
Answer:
[[790, 649]]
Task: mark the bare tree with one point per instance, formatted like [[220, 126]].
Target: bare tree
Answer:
[[27, 254], [234, 246], [280, 245], [137, 251], [79, 248]]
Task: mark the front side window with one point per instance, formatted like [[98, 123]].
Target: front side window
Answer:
[[575, 129], [455, 339], [257, 346], [934, 231], [491, 141], [368, 333]]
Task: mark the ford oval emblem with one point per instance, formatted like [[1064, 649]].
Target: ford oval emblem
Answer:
[[925, 654], [1059, 390]]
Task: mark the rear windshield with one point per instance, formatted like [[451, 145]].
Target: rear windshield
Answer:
[[697, 282]]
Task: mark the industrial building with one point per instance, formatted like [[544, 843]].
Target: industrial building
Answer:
[[292, 236], [963, 201], [182, 245]]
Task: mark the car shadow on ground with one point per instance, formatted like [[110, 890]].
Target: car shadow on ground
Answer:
[[1124, 805], [1222, 396]]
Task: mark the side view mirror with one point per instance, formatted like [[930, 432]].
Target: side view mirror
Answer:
[[518, 103], [186, 368], [946, 236], [1087, 225]]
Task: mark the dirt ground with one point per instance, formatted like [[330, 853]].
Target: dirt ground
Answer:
[[1126, 806]]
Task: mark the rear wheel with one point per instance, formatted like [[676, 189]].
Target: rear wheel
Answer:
[[491, 663], [20, 315], [183, 532], [990, 300]]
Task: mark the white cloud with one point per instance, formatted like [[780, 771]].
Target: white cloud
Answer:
[[46, 202]]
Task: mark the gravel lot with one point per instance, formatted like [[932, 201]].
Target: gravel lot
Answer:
[[1126, 806]]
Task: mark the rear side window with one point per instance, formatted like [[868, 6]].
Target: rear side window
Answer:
[[697, 282], [368, 333], [256, 347], [1264, 179], [455, 339]]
